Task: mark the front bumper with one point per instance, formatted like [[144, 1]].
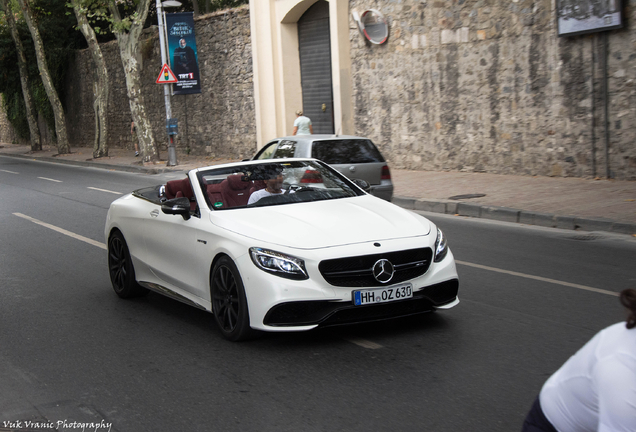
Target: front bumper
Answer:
[[281, 305], [328, 313]]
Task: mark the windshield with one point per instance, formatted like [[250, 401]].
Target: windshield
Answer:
[[273, 183]]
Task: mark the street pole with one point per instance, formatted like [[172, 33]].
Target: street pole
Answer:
[[172, 154]]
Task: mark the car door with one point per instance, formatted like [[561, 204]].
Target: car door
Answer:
[[174, 253], [267, 151]]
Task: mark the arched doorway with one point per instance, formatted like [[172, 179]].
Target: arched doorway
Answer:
[[314, 46]]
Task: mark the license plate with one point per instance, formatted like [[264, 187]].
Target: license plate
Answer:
[[382, 295]]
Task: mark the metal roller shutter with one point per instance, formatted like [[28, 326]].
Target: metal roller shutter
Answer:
[[315, 67]]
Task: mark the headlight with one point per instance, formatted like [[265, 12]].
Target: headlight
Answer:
[[441, 248], [279, 264]]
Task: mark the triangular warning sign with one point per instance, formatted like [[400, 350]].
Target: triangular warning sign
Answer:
[[166, 76]]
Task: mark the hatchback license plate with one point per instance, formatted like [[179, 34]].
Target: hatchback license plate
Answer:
[[382, 295]]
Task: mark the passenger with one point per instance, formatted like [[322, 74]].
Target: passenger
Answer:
[[595, 390]]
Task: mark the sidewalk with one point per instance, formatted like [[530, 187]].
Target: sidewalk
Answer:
[[568, 203]]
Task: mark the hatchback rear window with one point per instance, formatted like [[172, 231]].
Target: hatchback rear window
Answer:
[[346, 151]]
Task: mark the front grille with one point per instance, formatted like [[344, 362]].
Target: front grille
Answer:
[[328, 313], [358, 271]]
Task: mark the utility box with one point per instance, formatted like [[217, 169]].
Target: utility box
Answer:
[[172, 126]]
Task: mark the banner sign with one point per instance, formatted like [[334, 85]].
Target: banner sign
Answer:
[[182, 52], [575, 17]]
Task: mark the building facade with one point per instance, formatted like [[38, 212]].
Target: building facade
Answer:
[[469, 85]]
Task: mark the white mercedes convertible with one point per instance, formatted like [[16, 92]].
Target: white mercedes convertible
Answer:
[[278, 245]]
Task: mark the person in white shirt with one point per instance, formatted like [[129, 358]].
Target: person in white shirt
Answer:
[[274, 186], [302, 125], [595, 390]]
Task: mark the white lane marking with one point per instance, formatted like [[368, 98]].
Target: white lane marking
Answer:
[[104, 190], [539, 278], [10, 172], [50, 179], [364, 343], [63, 231]]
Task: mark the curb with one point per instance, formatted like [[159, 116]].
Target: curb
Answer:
[[102, 165], [505, 214]]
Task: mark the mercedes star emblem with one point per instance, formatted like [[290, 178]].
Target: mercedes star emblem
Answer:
[[383, 271]]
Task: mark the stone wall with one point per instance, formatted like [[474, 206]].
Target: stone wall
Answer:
[[7, 134], [219, 122], [487, 85]]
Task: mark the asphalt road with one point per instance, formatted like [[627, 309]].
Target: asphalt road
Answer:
[[73, 353]]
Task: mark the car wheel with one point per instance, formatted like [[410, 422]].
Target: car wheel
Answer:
[[120, 267], [229, 303]]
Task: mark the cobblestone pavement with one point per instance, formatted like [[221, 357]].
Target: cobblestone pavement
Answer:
[[569, 203]]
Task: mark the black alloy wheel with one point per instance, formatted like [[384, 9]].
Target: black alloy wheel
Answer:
[[120, 268], [229, 303]]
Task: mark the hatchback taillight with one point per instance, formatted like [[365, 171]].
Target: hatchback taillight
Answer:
[[386, 173], [311, 176]]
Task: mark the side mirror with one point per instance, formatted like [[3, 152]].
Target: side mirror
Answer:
[[362, 184], [177, 206]]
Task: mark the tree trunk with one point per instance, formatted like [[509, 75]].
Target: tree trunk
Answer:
[[58, 111], [128, 41], [100, 83], [31, 112]]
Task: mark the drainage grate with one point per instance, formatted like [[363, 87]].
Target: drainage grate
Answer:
[[467, 196], [587, 237]]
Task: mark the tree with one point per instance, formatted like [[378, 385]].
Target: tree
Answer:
[[58, 111], [31, 112], [100, 79], [127, 31]]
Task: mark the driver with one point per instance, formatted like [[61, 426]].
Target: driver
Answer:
[[273, 186]]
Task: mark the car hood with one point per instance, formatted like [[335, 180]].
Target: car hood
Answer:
[[323, 224]]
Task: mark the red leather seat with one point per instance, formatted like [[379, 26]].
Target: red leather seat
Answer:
[[235, 191], [181, 188], [215, 195]]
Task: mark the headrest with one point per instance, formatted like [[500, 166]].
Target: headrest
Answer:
[[216, 187], [236, 182], [183, 185]]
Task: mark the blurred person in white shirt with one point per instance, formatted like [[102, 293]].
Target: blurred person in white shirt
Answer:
[[595, 390], [302, 125]]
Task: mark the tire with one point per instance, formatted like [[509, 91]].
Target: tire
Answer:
[[229, 304], [120, 268]]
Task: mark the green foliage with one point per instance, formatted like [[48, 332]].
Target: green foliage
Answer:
[[13, 106], [97, 14], [230, 3], [60, 39], [222, 4], [205, 6]]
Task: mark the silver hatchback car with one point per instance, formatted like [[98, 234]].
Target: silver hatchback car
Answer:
[[355, 157]]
